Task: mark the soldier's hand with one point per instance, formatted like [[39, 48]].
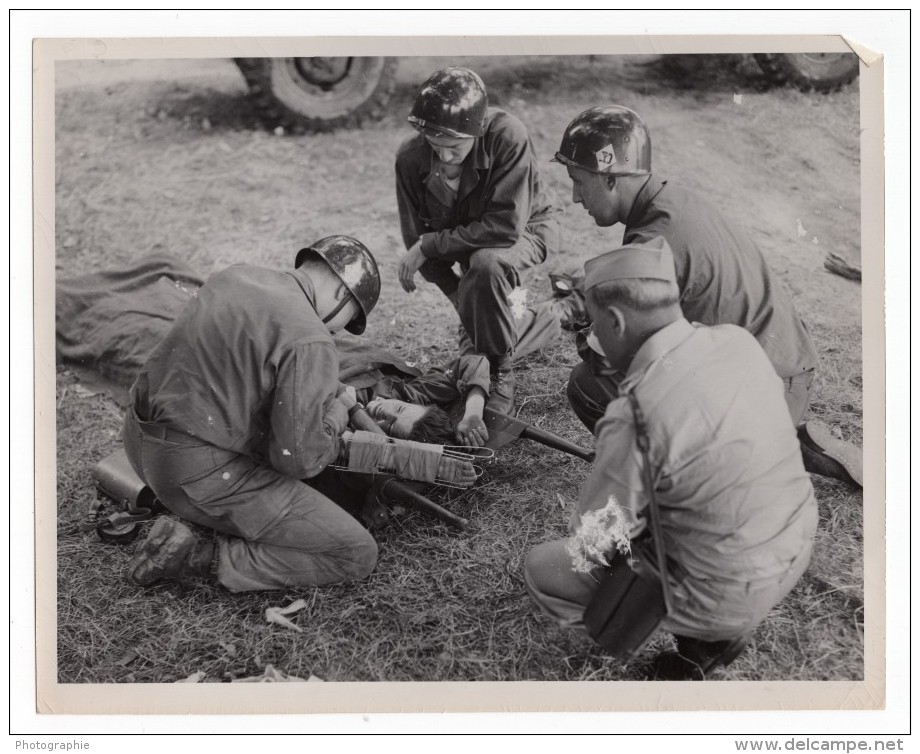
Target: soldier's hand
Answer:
[[455, 471], [472, 431], [409, 264], [347, 395], [337, 415]]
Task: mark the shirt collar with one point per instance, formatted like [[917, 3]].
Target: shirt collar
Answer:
[[306, 284], [647, 193], [654, 350]]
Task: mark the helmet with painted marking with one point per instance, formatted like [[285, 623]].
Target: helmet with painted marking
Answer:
[[609, 140], [355, 266], [452, 102]]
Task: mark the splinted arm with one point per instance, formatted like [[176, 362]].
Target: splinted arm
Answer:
[[371, 453]]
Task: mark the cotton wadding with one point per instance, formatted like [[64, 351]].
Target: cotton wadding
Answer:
[[598, 533], [518, 300]]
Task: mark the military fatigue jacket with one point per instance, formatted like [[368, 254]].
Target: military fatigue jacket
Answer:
[[722, 275], [500, 192], [249, 367]]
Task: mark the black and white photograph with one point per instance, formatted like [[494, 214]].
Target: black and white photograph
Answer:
[[457, 365]]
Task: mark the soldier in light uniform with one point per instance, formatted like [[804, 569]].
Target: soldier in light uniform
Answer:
[[737, 508]]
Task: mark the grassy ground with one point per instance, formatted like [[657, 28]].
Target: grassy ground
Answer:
[[177, 162]]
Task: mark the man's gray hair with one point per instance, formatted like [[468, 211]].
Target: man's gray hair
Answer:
[[640, 294]]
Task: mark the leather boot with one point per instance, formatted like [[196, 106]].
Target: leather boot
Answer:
[[571, 312], [171, 551], [824, 454], [501, 388], [695, 658]]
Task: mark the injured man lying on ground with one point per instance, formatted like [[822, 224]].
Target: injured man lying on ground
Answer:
[[109, 323]]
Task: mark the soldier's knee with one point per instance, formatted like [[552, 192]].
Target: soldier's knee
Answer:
[[539, 564], [578, 396], [486, 263], [572, 389], [363, 558]]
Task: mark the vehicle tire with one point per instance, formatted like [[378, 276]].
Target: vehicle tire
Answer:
[[319, 94], [817, 71]]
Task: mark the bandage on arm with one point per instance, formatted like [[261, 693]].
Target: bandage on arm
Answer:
[[371, 453]]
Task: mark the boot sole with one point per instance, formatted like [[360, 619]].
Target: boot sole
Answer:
[[151, 555]]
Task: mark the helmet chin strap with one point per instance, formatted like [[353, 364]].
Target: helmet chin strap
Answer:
[[341, 305]]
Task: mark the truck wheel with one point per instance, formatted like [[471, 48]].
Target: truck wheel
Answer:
[[319, 94], [817, 71]]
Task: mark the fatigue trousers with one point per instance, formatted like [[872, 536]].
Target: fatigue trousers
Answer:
[[488, 276], [703, 609], [279, 532], [589, 392]]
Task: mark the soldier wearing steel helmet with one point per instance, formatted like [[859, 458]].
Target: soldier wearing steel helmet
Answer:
[[238, 403], [722, 276], [469, 193]]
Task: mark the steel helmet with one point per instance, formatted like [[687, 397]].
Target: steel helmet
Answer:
[[355, 266], [452, 102], [610, 140]]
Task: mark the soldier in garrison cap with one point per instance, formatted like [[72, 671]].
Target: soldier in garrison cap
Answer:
[[469, 194], [738, 512]]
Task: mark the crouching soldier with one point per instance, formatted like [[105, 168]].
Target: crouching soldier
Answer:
[[469, 192], [736, 510], [236, 405]]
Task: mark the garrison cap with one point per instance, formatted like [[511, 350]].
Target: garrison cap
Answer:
[[652, 259]]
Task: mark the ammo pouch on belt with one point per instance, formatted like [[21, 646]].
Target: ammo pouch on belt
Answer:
[[629, 605]]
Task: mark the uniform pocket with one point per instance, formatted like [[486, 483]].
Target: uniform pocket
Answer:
[[219, 474]]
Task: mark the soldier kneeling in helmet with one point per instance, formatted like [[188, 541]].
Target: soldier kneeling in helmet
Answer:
[[238, 404], [722, 275], [469, 192]]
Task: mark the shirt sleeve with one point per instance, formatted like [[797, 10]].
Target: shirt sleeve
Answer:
[[472, 371], [617, 472], [304, 427], [408, 203], [510, 191]]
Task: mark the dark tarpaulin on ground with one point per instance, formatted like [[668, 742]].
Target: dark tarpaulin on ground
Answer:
[[107, 323]]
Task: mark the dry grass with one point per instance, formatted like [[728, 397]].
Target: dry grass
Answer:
[[182, 166]]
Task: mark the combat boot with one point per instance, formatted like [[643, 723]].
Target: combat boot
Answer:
[[501, 387], [171, 551], [571, 312], [824, 454], [695, 658]]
